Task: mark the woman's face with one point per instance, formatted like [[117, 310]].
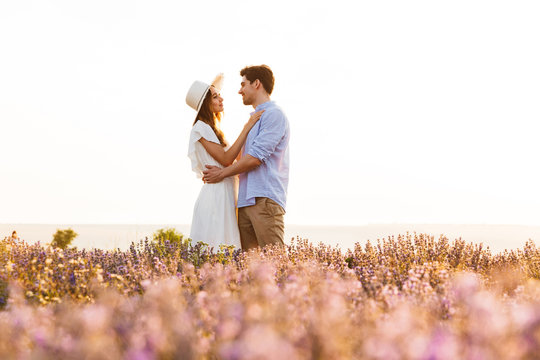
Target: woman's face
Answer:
[[216, 101]]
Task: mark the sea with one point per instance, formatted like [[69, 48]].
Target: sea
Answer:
[[120, 236]]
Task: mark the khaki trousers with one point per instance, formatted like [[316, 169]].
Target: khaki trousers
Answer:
[[261, 224]]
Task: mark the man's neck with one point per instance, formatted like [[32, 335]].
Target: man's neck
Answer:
[[261, 100]]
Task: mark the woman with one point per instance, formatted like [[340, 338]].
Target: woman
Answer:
[[214, 216]]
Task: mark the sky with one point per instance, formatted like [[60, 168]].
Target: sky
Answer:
[[400, 111]]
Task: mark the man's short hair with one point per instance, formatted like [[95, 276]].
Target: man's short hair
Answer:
[[261, 72]]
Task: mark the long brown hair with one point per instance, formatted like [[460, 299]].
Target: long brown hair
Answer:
[[211, 118]]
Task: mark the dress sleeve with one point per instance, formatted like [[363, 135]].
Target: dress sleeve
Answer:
[[202, 130], [199, 130]]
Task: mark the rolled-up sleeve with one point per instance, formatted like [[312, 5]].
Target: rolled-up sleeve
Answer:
[[272, 129]]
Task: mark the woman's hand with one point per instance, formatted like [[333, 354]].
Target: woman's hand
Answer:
[[254, 118]]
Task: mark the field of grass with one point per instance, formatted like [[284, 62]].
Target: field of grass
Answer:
[[406, 297]]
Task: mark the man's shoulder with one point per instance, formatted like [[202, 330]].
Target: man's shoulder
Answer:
[[275, 113], [274, 107]]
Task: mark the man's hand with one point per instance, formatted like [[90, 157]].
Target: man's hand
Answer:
[[213, 174]]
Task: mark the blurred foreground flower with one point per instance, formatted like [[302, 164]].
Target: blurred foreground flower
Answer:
[[406, 298]]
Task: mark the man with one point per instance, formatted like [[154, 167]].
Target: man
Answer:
[[263, 167]]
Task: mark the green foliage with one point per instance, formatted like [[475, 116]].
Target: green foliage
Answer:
[[225, 254], [170, 234], [167, 243], [4, 292], [63, 238]]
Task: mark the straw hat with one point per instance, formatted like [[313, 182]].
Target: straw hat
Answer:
[[198, 90]]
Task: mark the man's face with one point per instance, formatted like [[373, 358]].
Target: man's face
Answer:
[[247, 90]]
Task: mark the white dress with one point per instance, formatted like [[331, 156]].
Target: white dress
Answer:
[[214, 215]]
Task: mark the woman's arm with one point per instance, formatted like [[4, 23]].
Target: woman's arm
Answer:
[[226, 158]]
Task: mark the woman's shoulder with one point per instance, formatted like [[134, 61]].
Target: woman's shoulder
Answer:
[[200, 124], [202, 129]]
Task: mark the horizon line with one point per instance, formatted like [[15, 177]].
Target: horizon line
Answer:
[[286, 224]]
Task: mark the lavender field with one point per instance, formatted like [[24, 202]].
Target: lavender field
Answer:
[[406, 297]]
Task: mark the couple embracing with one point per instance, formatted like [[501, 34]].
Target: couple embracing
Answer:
[[252, 174]]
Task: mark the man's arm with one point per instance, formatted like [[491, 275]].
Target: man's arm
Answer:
[[213, 174], [272, 128]]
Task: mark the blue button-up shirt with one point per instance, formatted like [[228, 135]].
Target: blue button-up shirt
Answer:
[[267, 141]]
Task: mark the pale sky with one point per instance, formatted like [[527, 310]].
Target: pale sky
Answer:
[[400, 111]]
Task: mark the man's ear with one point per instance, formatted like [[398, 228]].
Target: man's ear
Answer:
[[257, 83]]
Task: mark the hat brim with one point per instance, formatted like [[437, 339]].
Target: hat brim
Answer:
[[201, 100], [192, 97], [216, 83]]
